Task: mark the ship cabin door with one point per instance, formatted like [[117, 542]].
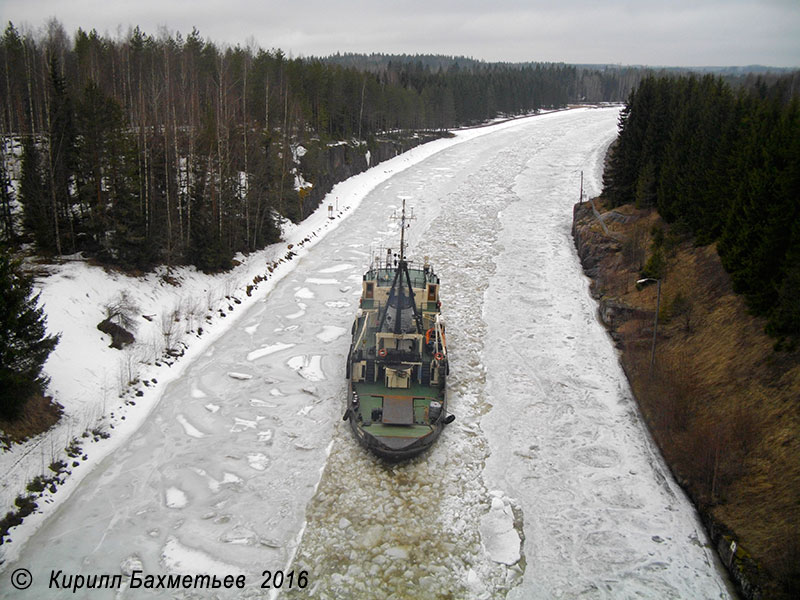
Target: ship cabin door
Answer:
[[398, 378], [433, 292]]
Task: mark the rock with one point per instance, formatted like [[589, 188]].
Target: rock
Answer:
[[120, 337]]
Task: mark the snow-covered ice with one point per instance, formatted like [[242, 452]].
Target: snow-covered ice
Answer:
[[241, 376], [188, 428], [546, 485], [330, 333], [309, 367], [176, 498], [267, 350], [337, 268], [500, 538], [258, 461], [181, 559]]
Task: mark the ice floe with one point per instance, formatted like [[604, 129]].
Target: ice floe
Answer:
[[267, 350], [175, 498], [330, 333], [309, 367], [190, 429]]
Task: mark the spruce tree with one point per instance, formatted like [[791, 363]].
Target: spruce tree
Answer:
[[36, 206], [784, 320], [61, 159], [128, 241], [24, 342], [8, 235]]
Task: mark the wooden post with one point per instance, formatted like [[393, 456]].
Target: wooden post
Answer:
[[655, 327]]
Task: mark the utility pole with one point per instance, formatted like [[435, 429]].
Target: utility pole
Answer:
[[655, 323]]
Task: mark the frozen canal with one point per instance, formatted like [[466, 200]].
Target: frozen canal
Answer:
[[546, 486]]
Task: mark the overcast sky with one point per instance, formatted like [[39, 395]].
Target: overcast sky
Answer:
[[648, 32]]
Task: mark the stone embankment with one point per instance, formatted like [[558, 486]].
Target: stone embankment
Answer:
[[325, 165]]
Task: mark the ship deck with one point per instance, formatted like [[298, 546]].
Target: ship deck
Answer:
[[407, 407]]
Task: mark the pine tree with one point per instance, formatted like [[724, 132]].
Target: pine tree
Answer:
[[24, 342]]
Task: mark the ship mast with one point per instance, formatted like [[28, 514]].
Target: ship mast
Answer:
[[401, 277], [403, 231]]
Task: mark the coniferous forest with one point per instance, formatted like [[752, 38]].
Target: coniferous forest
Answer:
[[724, 165], [145, 150]]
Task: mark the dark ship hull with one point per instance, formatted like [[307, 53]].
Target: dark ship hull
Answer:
[[394, 449]]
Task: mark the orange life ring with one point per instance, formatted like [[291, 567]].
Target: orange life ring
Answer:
[[429, 334], [438, 356], [382, 352]]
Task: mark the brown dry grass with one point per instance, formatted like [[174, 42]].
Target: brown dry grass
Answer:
[[39, 414], [721, 403]]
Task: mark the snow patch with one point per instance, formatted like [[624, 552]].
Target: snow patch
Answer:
[[175, 498], [190, 429], [178, 558], [227, 478], [240, 425], [258, 461]]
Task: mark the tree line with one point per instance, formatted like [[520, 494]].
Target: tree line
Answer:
[[480, 90], [144, 150], [725, 164]]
